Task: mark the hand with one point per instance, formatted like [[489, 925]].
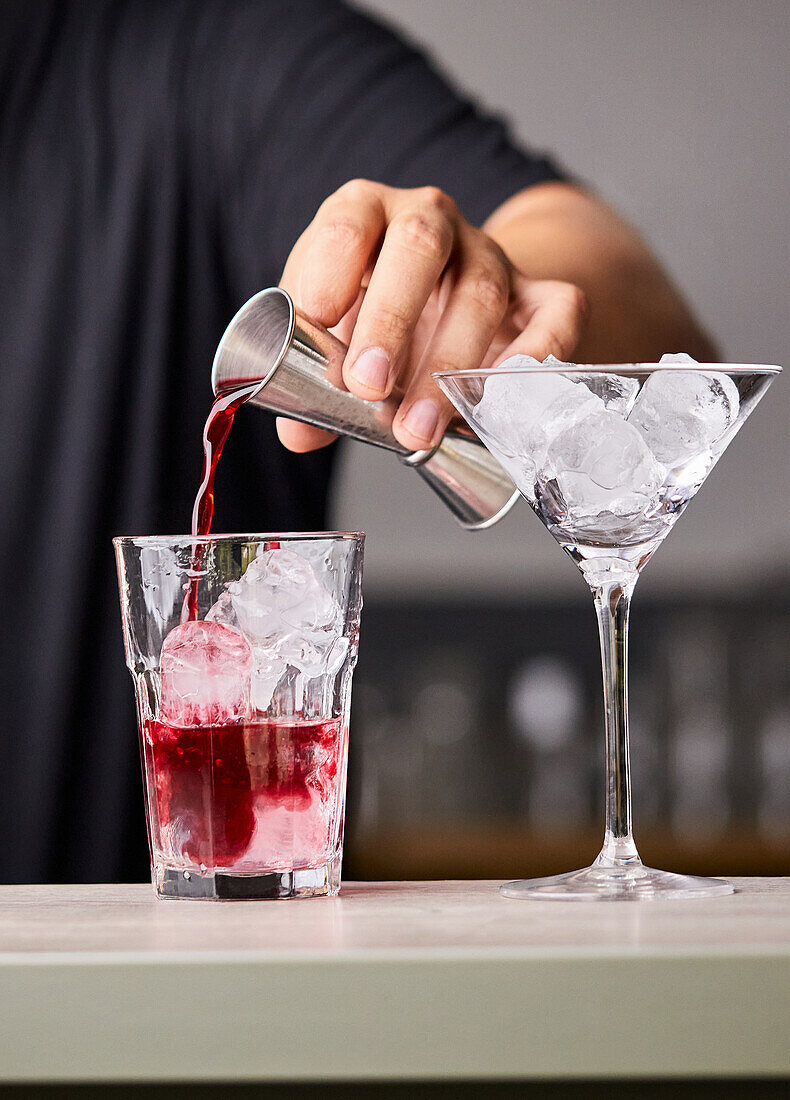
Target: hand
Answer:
[[412, 288]]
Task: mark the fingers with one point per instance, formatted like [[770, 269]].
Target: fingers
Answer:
[[472, 315], [412, 288], [551, 316], [299, 437], [417, 245], [324, 272]]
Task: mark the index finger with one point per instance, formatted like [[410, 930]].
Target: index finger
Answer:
[[324, 272]]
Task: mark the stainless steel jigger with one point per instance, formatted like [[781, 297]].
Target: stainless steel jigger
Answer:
[[299, 365]]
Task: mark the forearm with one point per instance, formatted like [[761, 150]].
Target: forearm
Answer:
[[556, 231]]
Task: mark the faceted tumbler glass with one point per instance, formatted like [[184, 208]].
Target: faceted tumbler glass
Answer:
[[242, 649]]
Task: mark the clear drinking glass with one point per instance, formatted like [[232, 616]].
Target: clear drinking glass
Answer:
[[242, 649], [609, 457]]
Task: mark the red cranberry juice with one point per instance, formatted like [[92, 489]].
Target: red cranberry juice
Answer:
[[215, 433], [254, 796]]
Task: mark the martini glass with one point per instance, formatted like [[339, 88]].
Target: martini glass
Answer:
[[608, 457]]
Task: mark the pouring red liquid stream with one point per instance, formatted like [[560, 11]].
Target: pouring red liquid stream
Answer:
[[215, 433]]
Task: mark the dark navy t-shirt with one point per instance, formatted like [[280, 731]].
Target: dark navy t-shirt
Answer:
[[158, 160]]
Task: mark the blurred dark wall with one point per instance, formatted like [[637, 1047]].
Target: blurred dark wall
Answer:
[[477, 743]]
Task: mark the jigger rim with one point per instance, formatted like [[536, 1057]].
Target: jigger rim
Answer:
[[222, 346]]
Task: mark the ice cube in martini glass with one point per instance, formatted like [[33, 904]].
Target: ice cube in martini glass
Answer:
[[609, 457]]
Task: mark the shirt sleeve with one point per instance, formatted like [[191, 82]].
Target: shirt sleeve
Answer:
[[315, 94]]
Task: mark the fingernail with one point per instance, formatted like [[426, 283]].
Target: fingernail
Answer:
[[422, 419], [372, 369]]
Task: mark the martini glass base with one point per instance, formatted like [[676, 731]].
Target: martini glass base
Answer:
[[633, 882]]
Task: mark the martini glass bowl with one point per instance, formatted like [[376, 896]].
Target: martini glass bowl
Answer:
[[608, 457]]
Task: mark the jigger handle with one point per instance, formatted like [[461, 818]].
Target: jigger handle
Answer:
[[299, 367]]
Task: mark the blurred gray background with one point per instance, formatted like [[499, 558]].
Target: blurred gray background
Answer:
[[476, 739], [677, 112]]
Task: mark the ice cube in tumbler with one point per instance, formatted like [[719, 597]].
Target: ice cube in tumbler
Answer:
[[205, 671], [289, 618]]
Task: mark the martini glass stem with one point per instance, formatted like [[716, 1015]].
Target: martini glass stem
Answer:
[[612, 603]]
